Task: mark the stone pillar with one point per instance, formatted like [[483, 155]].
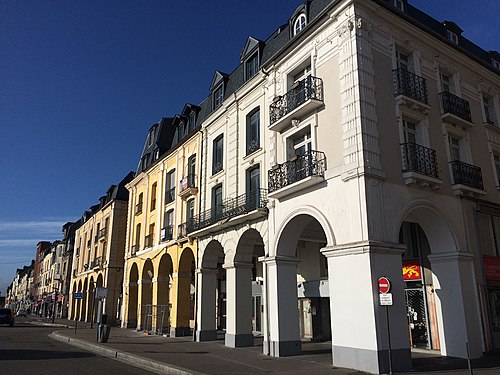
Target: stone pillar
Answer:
[[359, 324], [284, 331], [239, 305], [457, 305], [206, 329], [179, 320]]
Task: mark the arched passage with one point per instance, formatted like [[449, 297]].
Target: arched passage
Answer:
[[83, 307], [442, 306], [132, 297], [146, 295], [183, 294], [73, 302], [163, 294], [211, 300], [299, 299], [91, 305], [244, 290]]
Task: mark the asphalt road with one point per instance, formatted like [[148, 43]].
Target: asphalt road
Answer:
[[26, 349]]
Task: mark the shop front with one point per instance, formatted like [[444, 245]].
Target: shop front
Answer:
[[492, 276]]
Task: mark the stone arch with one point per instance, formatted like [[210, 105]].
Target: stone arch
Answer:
[[184, 287], [83, 306], [73, 302], [133, 296], [163, 292], [146, 293]]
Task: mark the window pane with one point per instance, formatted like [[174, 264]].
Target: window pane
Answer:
[[485, 233]]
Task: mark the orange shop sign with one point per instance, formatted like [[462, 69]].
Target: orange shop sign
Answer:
[[412, 270]]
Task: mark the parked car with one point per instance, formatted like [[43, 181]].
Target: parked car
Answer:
[[6, 317], [22, 313]]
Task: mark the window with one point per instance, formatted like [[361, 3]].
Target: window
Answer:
[[495, 64], [217, 201], [151, 136], [402, 60], [400, 5], [488, 118], [218, 153], [302, 73], [454, 143], [253, 187], [168, 225], [489, 234], [253, 131], [299, 143], [496, 161], [192, 120], [452, 37], [410, 131], [191, 168], [299, 24], [138, 206], [190, 210], [153, 197], [170, 187], [218, 96], [445, 82], [252, 65], [137, 236]]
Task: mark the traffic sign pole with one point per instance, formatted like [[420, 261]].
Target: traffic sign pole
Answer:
[[384, 287]]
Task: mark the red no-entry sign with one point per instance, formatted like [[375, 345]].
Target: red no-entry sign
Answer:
[[384, 285]]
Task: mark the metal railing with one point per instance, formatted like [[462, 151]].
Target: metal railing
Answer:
[[467, 174], [148, 240], [455, 105], [420, 159], [411, 85], [228, 209], [155, 319], [308, 88], [312, 163], [138, 208], [187, 182], [170, 195], [182, 230], [102, 232], [167, 233], [96, 262], [217, 167], [252, 146]]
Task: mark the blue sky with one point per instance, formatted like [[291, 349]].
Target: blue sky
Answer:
[[81, 83]]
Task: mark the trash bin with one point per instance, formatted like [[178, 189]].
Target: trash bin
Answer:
[[103, 329]]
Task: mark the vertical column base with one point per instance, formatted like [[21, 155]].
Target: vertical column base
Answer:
[[180, 331], [284, 348], [206, 335], [372, 361], [238, 341]]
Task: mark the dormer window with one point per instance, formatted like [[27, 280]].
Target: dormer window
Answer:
[[495, 64], [151, 136], [252, 66], [299, 24], [192, 120], [400, 5], [452, 37], [218, 96]]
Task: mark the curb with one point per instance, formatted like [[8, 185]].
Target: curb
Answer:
[[131, 359], [35, 323]]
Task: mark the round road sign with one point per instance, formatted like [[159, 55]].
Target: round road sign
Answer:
[[384, 285]]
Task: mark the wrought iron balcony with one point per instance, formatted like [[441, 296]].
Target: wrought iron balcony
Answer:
[[411, 85], [187, 186], [138, 208], [420, 159], [467, 174], [305, 96], [167, 233], [96, 263], [102, 233], [182, 230], [170, 195], [230, 208], [148, 240], [456, 106], [300, 167]]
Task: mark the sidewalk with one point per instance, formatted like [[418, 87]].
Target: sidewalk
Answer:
[[182, 356]]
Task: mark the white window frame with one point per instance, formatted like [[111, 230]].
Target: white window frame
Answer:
[[399, 4], [299, 24], [451, 36]]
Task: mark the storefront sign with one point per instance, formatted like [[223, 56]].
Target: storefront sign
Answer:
[[491, 268], [412, 270]]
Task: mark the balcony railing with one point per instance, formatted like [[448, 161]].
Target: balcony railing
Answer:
[[167, 233], [304, 90], [182, 230], [217, 167], [96, 263], [455, 105], [420, 159], [148, 240], [467, 174], [170, 195], [312, 163], [411, 85], [138, 208], [188, 182], [102, 233], [229, 208]]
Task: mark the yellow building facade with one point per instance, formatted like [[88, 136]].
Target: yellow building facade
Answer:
[[159, 286], [98, 256]]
